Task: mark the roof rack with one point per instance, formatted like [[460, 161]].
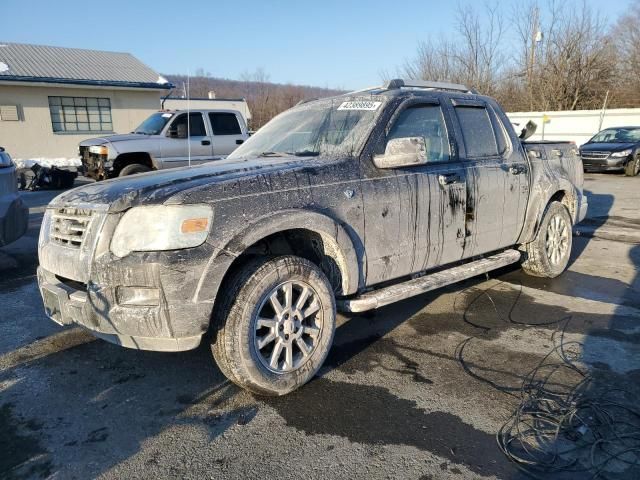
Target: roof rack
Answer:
[[397, 83]]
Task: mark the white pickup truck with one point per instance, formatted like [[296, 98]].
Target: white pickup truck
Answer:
[[167, 139]]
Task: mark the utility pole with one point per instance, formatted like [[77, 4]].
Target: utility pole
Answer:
[[604, 108], [536, 37]]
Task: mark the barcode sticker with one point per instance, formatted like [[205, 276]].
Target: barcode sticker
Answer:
[[362, 105]]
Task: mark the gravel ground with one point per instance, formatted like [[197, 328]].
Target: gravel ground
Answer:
[[415, 390]]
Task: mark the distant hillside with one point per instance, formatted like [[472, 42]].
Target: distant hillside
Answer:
[[266, 99]]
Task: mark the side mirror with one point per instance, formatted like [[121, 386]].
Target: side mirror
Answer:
[[402, 152]]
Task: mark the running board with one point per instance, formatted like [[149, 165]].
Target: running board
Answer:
[[411, 288]]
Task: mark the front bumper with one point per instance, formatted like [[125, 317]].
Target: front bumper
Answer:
[[144, 327], [14, 218], [608, 164], [95, 166]]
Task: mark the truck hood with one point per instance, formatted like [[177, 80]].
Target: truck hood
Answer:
[[90, 142], [158, 187], [606, 147]]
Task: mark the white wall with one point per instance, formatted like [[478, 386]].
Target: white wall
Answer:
[[578, 125], [209, 104]]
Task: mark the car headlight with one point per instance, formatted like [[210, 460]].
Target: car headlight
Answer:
[[99, 149], [623, 153], [161, 227]]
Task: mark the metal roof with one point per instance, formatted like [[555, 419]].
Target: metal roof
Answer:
[[40, 63]]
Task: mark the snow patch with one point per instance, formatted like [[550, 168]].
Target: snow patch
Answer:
[[47, 162]]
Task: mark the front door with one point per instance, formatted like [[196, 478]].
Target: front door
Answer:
[[414, 216], [180, 148]]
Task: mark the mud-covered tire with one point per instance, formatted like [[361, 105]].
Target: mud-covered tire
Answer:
[[547, 255], [133, 169], [247, 303], [633, 167]]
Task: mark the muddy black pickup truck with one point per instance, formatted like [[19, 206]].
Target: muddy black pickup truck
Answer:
[[350, 202]]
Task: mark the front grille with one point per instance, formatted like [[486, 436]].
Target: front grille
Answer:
[[594, 155], [69, 226]]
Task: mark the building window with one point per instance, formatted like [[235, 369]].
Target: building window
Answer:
[[80, 114]]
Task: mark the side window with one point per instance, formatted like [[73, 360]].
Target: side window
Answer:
[[477, 131], [224, 124], [502, 137], [424, 121], [196, 125]]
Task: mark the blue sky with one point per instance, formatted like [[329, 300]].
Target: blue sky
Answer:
[[344, 44]]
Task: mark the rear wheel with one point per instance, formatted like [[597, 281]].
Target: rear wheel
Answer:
[[275, 325], [633, 167], [133, 169], [548, 254]]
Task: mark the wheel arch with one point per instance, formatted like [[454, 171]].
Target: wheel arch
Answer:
[[562, 191], [335, 243], [129, 158]]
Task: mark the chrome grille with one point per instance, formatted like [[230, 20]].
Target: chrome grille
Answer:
[[69, 226], [594, 155]]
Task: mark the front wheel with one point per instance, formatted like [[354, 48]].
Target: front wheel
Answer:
[[633, 167], [275, 325], [548, 254], [133, 169]]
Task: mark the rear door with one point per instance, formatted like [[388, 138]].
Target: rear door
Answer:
[[494, 169], [414, 216], [180, 149], [227, 133]]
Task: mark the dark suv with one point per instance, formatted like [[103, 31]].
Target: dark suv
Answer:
[[352, 202], [613, 149]]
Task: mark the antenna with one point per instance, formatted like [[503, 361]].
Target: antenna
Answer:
[[188, 117]]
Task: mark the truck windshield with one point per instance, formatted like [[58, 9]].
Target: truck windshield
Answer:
[[154, 124], [617, 135], [335, 127]]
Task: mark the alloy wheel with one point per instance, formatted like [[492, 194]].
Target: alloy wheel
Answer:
[[288, 326], [557, 240]]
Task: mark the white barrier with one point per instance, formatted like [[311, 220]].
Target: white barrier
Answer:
[[577, 125]]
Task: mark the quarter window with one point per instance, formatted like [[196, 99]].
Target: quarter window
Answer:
[[224, 124], [80, 114], [477, 131], [424, 121]]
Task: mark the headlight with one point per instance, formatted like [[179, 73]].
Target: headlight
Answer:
[[623, 153], [161, 227], [99, 149]]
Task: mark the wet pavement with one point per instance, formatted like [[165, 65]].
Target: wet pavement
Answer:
[[418, 389]]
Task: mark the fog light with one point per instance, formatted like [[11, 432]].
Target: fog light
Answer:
[[138, 296]]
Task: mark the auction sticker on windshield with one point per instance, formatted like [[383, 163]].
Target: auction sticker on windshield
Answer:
[[363, 105]]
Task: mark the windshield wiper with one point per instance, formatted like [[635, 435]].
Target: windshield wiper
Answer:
[[305, 153], [274, 154]]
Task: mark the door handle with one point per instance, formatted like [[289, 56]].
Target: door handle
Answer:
[[206, 142], [448, 178], [239, 142], [517, 169]]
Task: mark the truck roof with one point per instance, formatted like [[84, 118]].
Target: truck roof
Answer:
[[205, 110], [399, 85]]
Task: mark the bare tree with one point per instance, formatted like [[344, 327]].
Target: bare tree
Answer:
[[474, 57], [626, 35], [562, 56]]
